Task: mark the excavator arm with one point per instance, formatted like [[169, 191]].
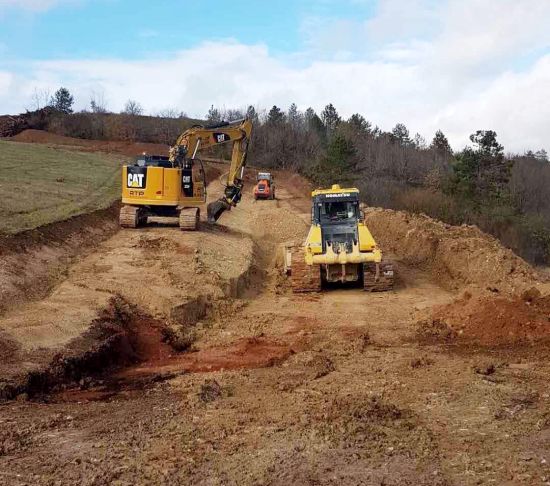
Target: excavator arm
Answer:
[[197, 138]]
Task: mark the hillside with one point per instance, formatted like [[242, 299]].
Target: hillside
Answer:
[[41, 184]]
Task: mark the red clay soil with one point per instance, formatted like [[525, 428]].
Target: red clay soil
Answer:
[[495, 320], [245, 353], [127, 148]]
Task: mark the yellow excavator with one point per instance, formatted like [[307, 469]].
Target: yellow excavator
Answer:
[[338, 248], [172, 189]]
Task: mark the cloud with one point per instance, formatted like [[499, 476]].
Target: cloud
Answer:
[[465, 72]]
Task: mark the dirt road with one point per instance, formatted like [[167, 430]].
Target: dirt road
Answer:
[[343, 387]]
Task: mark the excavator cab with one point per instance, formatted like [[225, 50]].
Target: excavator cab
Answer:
[[153, 161]]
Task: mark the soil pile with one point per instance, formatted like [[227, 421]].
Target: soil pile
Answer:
[[455, 255], [490, 320]]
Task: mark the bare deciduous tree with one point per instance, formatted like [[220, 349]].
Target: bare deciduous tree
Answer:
[[40, 98], [133, 108], [97, 102]]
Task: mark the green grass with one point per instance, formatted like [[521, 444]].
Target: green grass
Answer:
[[41, 184]]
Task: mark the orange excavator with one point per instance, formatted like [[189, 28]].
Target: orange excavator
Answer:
[[265, 186]]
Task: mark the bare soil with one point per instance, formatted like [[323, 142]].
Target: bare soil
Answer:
[[226, 377], [126, 148]]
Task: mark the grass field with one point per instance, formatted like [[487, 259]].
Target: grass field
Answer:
[[41, 184]]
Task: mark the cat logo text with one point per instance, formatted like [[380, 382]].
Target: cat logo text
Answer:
[[136, 181]]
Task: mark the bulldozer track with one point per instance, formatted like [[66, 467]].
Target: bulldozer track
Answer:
[[189, 219], [304, 277], [378, 281], [129, 217]]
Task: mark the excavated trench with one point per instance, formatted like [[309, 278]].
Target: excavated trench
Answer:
[[126, 349]]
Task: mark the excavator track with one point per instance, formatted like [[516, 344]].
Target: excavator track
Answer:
[[189, 219], [379, 279], [304, 277], [129, 216]]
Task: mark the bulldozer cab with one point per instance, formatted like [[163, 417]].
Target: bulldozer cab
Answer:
[[335, 209]]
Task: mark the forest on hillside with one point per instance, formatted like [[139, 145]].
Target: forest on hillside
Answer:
[[504, 194]]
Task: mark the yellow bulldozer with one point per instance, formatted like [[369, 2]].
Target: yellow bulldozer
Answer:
[[339, 247], [172, 189]]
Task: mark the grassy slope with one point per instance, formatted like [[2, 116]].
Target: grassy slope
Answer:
[[41, 184]]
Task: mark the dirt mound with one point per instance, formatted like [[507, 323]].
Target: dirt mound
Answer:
[[455, 255], [126, 148], [490, 320]]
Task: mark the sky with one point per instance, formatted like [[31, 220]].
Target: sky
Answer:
[[454, 65]]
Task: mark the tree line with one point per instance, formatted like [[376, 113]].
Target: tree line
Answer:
[[503, 194]]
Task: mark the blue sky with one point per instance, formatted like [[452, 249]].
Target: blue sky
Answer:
[[141, 28], [454, 65]]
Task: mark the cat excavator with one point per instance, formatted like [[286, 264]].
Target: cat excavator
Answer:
[[172, 189]]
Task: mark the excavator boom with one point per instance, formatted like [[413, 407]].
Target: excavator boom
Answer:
[[197, 138]]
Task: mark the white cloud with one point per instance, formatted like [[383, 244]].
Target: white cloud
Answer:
[[471, 72]]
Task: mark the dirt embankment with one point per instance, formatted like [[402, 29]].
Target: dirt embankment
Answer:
[[33, 261], [501, 303], [456, 256], [126, 148]]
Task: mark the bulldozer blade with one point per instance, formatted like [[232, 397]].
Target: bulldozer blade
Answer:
[[216, 209]]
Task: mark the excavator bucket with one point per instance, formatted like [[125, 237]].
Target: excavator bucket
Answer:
[[216, 209]]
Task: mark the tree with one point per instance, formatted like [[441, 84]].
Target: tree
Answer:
[[330, 118], [400, 134], [133, 108], [252, 114], [541, 155], [359, 123], [97, 103], [339, 163], [440, 143], [294, 116], [213, 116], [315, 124], [419, 142], [234, 114], [481, 172], [275, 116], [168, 113], [62, 101], [40, 98], [487, 145]]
